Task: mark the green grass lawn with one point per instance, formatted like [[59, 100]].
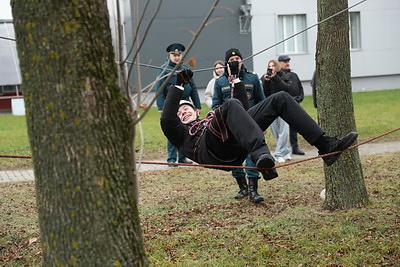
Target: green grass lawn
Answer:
[[376, 112], [13, 135], [189, 218]]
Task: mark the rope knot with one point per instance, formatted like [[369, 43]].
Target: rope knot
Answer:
[[201, 124]]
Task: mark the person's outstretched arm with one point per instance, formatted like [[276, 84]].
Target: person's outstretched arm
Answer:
[[239, 92], [171, 126]]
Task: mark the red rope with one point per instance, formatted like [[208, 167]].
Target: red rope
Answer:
[[15, 157], [241, 167]]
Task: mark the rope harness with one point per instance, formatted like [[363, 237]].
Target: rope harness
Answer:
[[201, 124]]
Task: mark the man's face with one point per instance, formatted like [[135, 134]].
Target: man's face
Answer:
[[285, 64], [187, 114], [176, 58], [236, 58]]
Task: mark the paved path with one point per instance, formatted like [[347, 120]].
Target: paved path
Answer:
[[366, 149], [16, 176]]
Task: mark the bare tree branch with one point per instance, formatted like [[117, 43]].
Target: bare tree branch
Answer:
[[179, 65]]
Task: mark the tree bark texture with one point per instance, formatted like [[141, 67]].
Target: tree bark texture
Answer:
[[80, 132], [345, 187]]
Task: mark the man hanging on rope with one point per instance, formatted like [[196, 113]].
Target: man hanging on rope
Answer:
[[229, 133]]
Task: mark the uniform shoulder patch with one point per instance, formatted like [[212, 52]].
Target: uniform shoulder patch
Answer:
[[252, 72]]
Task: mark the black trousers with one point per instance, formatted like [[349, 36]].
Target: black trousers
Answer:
[[245, 128], [293, 139]]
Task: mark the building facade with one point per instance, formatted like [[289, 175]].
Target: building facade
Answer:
[[10, 77], [374, 45], [249, 25], [176, 22]]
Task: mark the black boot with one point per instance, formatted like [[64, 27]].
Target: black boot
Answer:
[[270, 174], [243, 188], [253, 194], [327, 144], [296, 150], [267, 161]]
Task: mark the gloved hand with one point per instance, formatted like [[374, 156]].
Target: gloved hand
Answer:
[[298, 99], [183, 76], [233, 68]]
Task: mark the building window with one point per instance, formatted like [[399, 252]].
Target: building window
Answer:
[[9, 88], [355, 30], [6, 89], [245, 18], [287, 26]]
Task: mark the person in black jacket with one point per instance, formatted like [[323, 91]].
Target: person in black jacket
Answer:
[[297, 92], [272, 83], [229, 133], [313, 84]]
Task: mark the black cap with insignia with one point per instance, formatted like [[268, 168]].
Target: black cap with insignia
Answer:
[[175, 48], [232, 52]]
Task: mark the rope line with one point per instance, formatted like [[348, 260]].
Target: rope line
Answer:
[[242, 167]]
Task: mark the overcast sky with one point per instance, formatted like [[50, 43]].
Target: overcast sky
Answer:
[[5, 9]]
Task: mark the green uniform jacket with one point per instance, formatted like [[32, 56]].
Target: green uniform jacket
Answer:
[[189, 92], [222, 88]]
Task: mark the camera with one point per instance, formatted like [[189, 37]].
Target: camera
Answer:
[[269, 72]]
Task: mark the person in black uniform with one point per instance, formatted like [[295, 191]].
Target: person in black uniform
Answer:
[[254, 91], [297, 92], [229, 133]]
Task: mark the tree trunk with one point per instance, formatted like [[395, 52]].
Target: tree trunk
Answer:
[[345, 187], [80, 132]]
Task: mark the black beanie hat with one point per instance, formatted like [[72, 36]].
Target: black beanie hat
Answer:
[[232, 52]]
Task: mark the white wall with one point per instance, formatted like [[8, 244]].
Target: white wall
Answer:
[[5, 9], [264, 34], [380, 39], [9, 63]]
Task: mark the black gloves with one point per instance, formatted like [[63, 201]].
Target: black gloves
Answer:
[[183, 76], [233, 68], [298, 99]]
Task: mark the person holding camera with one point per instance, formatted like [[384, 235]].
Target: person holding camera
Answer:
[[273, 83], [297, 92], [222, 93]]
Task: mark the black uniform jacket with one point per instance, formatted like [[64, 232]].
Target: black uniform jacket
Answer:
[[296, 89], [205, 145]]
